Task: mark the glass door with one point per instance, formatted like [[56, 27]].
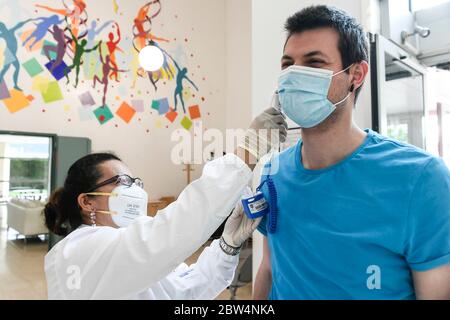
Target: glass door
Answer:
[[398, 89]]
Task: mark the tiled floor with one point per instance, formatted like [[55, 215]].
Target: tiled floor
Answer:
[[22, 267]]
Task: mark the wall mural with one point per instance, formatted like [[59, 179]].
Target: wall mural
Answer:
[[78, 49]]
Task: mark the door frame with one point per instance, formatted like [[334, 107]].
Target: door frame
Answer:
[[379, 46]]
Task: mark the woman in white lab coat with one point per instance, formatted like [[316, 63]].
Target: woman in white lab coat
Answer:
[[112, 250]]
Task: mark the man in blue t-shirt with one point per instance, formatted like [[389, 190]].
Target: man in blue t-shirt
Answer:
[[360, 216]]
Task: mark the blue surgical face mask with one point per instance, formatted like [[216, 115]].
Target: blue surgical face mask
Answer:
[[303, 94]]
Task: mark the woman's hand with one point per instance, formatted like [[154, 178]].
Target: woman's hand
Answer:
[[238, 227], [266, 131]]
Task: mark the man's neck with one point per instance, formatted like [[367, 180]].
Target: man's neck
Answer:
[[322, 149]]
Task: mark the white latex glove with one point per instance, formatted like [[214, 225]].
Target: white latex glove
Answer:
[[259, 143], [238, 227]]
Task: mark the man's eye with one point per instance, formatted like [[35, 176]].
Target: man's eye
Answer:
[[286, 65]]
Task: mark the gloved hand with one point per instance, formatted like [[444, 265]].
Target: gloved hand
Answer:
[[238, 227], [258, 142]]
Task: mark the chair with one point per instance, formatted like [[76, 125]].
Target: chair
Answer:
[[25, 216]]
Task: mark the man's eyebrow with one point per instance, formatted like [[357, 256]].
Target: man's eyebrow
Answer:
[[307, 55], [286, 57], [315, 53]]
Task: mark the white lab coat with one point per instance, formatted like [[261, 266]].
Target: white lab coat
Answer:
[[145, 260]]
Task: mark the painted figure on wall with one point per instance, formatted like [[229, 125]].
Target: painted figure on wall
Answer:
[[107, 67], [182, 75], [9, 35], [68, 42], [113, 45], [91, 66], [41, 29], [95, 30], [80, 50], [60, 48], [73, 14], [141, 21]]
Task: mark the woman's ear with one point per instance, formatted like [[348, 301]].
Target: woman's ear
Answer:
[[85, 203]]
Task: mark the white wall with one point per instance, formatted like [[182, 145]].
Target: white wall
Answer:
[[239, 63], [268, 18], [202, 22]]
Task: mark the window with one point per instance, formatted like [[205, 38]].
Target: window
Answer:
[[398, 131], [416, 5], [25, 164]]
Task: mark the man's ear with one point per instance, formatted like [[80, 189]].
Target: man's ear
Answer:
[[85, 203], [359, 72]]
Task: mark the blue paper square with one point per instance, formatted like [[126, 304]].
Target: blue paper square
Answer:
[[58, 72], [163, 106]]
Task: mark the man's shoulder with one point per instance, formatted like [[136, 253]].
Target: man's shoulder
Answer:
[[289, 152], [282, 157], [393, 153]]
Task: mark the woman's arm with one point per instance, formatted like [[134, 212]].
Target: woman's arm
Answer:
[[214, 270], [206, 279], [145, 252]]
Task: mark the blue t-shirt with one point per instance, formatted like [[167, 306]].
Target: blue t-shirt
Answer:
[[356, 229]]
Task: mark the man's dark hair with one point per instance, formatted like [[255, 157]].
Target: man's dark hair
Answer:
[[353, 44]]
